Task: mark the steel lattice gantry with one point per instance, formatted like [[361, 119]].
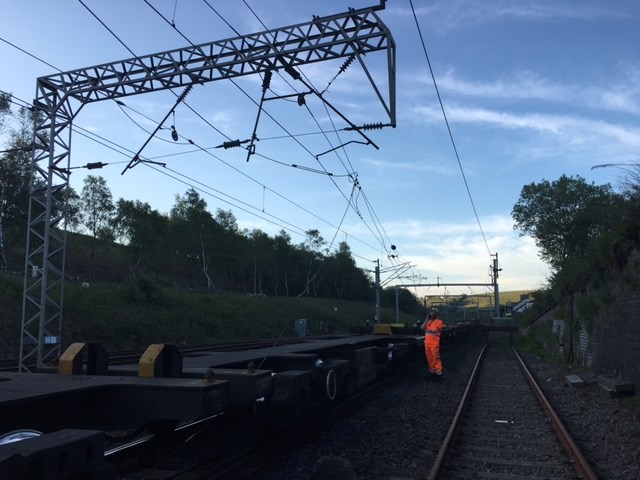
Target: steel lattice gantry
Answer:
[[60, 97]]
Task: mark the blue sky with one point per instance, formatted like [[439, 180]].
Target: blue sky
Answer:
[[532, 90]]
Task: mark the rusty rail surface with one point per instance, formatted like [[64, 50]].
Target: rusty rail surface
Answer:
[[465, 447]]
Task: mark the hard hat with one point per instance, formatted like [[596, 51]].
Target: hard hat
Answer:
[[435, 310]]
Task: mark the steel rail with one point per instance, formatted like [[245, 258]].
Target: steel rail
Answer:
[[580, 464], [437, 470]]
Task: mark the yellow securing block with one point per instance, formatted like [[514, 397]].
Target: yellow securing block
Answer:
[[386, 328], [71, 360], [147, 363], [382, 329]]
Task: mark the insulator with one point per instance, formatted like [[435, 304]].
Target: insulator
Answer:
[[372, 126], [301, 100], [174, 134], [347, 62], [184, 94], [266, 81], [94, 165], [231, 144]]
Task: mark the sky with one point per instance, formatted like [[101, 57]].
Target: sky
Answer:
[[530, 91]]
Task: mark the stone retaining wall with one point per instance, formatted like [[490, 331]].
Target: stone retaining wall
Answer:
[[611, 348], [617, 339]]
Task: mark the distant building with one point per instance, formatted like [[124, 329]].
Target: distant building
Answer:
[[525, 303]]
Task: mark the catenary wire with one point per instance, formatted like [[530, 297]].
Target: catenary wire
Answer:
[[444, 114], [192, 44], [350, 201], [350, 169], [30, 54], [89, 135], [126, 152], [250, 98], [132, 54]]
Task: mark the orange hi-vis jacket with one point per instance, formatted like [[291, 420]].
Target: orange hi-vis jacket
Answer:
[[432, 331]]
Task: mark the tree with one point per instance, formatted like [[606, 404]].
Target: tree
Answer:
[[564, 216], [283, 251], [15, 180], [567, 218], [96, 213], [311, 246], [227, 220], [194, 229], [348, 282], [143, 230], [5, 108], [260, 259], [96, 208], [407, 301], [72, 218], [189, 207], [231, 245]]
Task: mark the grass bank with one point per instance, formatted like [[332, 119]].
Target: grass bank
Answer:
[[135, 314]]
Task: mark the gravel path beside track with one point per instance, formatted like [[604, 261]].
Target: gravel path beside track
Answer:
[[606, 429], [397, 435]]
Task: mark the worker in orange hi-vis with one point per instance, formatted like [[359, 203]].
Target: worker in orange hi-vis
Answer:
[[432, 328]]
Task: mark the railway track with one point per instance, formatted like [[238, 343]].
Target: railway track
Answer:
[[505, 428]]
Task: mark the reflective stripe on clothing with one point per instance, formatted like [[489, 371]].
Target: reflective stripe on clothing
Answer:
[[434, 327]]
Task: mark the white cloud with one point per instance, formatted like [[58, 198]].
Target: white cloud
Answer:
[[457, 253], [224, 120], [573, 129], [452, 14], [622, 95], [429, 165]]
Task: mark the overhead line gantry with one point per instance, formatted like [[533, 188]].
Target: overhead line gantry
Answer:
[[60, 97]]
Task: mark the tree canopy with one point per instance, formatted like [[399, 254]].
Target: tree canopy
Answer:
[[564, 216], [189, 247], [15, 180]]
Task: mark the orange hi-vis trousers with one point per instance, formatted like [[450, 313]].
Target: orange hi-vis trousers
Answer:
[[432, 350]]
